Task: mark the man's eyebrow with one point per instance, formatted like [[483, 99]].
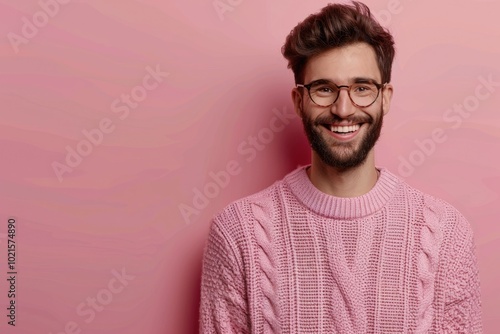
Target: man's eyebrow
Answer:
[[353, 80], [363, 80], [320, 82]]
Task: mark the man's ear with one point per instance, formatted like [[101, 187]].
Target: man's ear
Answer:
[[387, 91], [297, 100]]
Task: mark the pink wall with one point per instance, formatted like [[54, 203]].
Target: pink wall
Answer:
[[160, 96]]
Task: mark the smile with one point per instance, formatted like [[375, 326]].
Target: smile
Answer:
[[343, 132], [344, 129]]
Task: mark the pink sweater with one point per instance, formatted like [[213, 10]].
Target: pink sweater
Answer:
[[291, 259]]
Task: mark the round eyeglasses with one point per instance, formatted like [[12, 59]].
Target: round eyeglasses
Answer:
[[324, 93]]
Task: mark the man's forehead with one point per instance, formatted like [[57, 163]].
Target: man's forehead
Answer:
[[346, 63]]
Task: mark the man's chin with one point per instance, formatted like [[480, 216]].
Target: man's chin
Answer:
[[344, 163], [343, 153]]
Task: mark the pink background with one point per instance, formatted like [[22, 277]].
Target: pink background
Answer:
[[120, 207]]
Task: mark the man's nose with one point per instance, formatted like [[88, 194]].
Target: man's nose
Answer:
[[343, 106]]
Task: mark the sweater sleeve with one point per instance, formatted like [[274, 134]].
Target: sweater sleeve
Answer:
[[462, 299], [223, 306]]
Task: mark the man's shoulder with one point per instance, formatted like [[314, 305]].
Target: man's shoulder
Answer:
[[261, 203], [429, 204]]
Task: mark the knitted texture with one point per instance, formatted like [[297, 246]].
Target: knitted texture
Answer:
[[291, 259]]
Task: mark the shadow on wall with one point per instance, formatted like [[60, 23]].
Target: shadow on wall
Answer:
[[289, 142], [296, 146], [272, 143]]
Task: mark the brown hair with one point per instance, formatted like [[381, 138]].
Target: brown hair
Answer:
[[338, 25]]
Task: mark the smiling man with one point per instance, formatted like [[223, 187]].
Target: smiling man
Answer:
[[340, 245], [342, 122]]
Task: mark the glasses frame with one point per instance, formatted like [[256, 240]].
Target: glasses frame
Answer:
[[309, 85]]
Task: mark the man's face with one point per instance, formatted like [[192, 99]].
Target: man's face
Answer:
[[343, 134]]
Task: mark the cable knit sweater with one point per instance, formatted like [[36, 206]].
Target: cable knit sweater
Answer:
[[292, 259]]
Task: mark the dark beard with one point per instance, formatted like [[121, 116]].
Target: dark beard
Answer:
[[351, 157]]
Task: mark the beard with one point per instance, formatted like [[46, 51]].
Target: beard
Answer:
[[342, 155]]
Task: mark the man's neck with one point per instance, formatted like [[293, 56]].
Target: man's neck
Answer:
[[343, 183]]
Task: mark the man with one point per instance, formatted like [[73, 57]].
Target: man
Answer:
[[340, 246]]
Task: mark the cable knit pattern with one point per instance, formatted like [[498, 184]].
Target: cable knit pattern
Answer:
[[428, 261], [291, 259], [268, 282]]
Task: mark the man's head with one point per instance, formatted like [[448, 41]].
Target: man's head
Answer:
[[338, 25], [341, 59]]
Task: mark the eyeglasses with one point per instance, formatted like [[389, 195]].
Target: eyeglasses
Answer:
[[324, 93]]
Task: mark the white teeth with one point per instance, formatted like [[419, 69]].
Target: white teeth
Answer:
[[344, 129]]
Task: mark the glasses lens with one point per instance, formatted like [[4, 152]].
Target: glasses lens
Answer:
[[323, 94], [363, 94]]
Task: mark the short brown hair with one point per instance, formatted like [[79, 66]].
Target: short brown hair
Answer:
[[338, 25]]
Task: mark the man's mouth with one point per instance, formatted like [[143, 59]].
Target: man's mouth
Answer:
[[343, 132], [344, 129]]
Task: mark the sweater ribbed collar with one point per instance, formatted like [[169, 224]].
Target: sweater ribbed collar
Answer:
[[339, 207]]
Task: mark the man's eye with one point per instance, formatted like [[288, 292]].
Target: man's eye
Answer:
[[323, 89], [363, 88], [360, 88]]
